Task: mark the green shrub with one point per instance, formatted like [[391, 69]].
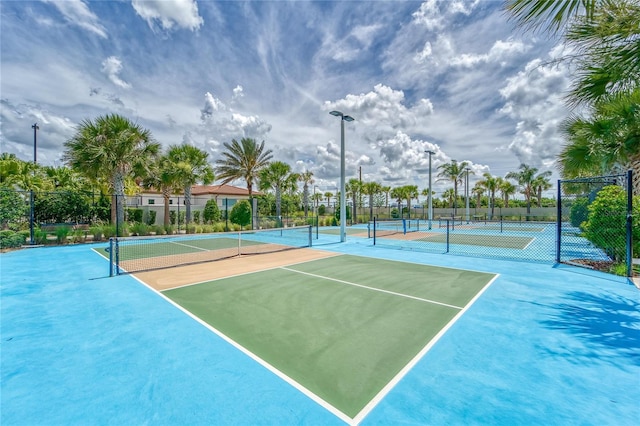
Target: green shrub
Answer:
[[321, 210], [78, 236], [394, 213], [9, 239], [139, 229], [606, 225], [151, 218], [109, 231], [211, 212], [62, 232], [39, 236], [96, 231], [579, 212], [196, 216], [158, 229], [172, 217], [168, 229]]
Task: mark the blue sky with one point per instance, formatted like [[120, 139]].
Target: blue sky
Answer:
[[455, 77]]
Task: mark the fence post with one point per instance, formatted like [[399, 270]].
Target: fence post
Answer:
[[117, 249], [310, 235], [629, 239], [447, 236], [374, 231], [559, 222]]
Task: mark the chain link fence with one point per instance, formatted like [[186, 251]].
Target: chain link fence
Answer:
[[598, 223]]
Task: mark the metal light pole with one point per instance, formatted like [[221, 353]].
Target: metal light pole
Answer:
[[466, 192], [31, 215], [343, 207], [430, 193]]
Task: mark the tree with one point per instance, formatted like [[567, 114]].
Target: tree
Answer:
[[453, 172], [608, 141], [371, 189], [507, 189], [353, 188], [525, 178], [306, 178], [211, 212], [242, 160], [317, 197], [449, 195], [478, 191], [162, 176], [328, 195], [541, 183], [491, 184], [113, 148], [241, 213], [190, 167], [12, 207], [277, 176]]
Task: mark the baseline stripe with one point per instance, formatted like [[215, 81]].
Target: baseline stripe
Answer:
[[373, 288]]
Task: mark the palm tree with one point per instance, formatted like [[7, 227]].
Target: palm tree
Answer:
[[608, 141], [541, 183], [162, 176], [386, 190], [317, 197], [410, 192], [453, 172], [526, 178], [190, 167], [371, 189], [478, 191], [277, 176], [507, 189], [449, 195], [242, 160], [491, 184], [354, 188], [398, 194], [306, 178], [113, 148], [328, 195], [550, 15]]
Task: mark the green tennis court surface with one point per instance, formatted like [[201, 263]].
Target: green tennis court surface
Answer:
[[342, 327], [515, 228], [498, 241]]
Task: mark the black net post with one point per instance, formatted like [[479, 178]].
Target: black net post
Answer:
[[111, 250], [374, 231], [117, 255]]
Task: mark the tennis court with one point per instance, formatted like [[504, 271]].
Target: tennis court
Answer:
[[341, 327], [350, 334]]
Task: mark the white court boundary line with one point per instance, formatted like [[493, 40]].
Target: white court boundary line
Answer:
[[373, 288], [326, 405]]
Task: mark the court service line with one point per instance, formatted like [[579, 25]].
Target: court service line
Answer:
[[188, 245], [373, 288]]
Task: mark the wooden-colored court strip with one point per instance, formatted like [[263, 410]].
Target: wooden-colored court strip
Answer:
[[165, 279]]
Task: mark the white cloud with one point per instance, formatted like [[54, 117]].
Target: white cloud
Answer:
[[534, 98], [111, 67], [434, 14], [76, 12], [169, 13], [382, 108]]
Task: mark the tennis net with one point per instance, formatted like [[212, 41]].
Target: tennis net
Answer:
[[137, 254], [383, 228]]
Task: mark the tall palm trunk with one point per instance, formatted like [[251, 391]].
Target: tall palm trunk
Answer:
[[187, 202], [166, 195]]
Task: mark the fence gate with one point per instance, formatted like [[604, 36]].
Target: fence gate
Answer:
[[595, 223]]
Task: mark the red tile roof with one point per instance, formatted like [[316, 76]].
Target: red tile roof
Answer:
[[220, 190]]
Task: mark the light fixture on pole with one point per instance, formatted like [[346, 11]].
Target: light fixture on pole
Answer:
[[31, 215], [466, 192], [343, 207], [430, 193]]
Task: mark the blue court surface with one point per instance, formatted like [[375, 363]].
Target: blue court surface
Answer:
[[543, 344]]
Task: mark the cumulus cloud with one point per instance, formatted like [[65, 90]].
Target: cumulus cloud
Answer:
[[76, 12], [169, 13], [533, 98], [383, 108], [111, 67], [434, 14], [224, 124]]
